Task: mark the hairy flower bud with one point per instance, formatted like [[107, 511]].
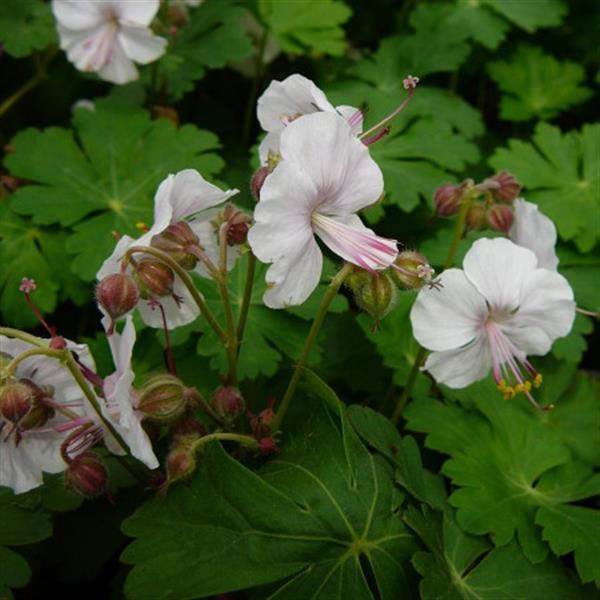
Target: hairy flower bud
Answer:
[[500, 217], [117, 294], [16, 400], [175, 241], [87, 475], [374, 293], [475, 218], [257, 181], [448, 197], [504, 187], [411, 270], [41, 411], [238, 223], [181, 460], [162, 398], [154, 278], [228, 402]]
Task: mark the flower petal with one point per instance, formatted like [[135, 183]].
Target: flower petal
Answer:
[[119, 68], [345, 175], [498, 268], [535, 231], [270, 143], [353, 116], [450, 317], [176, 313], [461, 367], [140, 12], [18, 470], [140, 43], [79, 14]]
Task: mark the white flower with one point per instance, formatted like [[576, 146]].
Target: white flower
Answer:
[[493, 314], [108, 36], [534, 230], [181, 197], [118, 404], [325, 176], [284, 101], [26, 454]]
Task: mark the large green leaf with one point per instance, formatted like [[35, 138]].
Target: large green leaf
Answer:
[[101, 177], [305, 519], [530, 15], [560, 173], [25, 26]]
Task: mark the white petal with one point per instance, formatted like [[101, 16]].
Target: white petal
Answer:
[[346, 177], [113, 263], [121, 345], [498, 268], [462, 367], [450, 317], [17, 470], [140, 12], [119, 69], [546, 312], [353, 117], [177, 314], [140, 44], [209, 240], [270, 143], [43, 450], [292, 278], [295, 95], [79, 14], [89, 49], [535, 231]]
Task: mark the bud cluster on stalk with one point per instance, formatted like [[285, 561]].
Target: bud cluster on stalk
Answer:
[[489, 201]]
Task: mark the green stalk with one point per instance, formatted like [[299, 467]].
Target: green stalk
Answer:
[[25, 337], [244, 440], [246, 300], [330, 294]]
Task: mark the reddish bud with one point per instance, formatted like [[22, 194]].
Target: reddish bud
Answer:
[[448, 197], [268, 446], [16, 400], [162, 398], [117, 294], [186, 425], [154, 278], [475, 218], [41, 411], [181, 460], [238, 223], [257, 181], [58, 343], [175, 241], [228, 402], [500, 217], [504, 187], [87, 475], [411, 270]]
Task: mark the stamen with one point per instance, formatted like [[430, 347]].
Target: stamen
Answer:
[[27, 286], [375, 138]]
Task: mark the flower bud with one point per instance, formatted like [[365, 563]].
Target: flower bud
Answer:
[[411, 270], [228, 402], [504, 187], [117, 294], [16, 400], [87, 475], [154, 278], [475, 218], [181, 460], [41, 411], [257, 181], [238, 223], [500, 217], [162, 398], [187, 424], [373, 293], [175, 240], [267, 446], [448, 197]]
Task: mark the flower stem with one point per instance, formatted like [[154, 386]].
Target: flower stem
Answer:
[[244, 440], [247, 299], [231, 345], [459, 228], [187, 281], [392, 115], [330, 294], [25, 337], [17, 360]]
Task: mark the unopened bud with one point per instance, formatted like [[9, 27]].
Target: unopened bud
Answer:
[[186, 425], [175, 241], [257, 181], [87, 475], [154, 278], [41, 411], [374, 293], [58, 342], [448, 197], [504, 187], [228, 402], [267, 446], [500, 217], [238, 223], [117, 294], [162, 398], [181, 460], [411, 270], [475, 218], [16, 400]]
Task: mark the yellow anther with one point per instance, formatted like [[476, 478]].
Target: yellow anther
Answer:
[[141, 226], [537, 381], [527, 386]]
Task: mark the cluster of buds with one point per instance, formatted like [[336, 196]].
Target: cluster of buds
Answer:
[[261, 425], [489, 201]]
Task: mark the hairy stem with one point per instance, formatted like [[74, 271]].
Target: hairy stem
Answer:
[[246, 300], [232, 344], [25, 337], [244, 440]]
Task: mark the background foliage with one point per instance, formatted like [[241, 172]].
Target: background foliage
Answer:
[[477, 497]]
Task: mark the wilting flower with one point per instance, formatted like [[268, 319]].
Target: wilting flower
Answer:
[[284, 101], [32, 445], [534, 230], [325, 176], [108, 36], [179, 206], [501, 308]]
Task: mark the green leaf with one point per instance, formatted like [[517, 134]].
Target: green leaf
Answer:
[[300, 517], [574, 528], [573, 346], [530, 15], [25, 26], [536, 85], [305, 26], [214, 36], [14, 571], [559, 172], [454, 569], [103, 180]]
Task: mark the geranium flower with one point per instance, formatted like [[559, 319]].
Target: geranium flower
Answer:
[[33, 447], [284, 101], [535, 231], [108, 36], [501, 308], [325, 176], [181, 197]]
